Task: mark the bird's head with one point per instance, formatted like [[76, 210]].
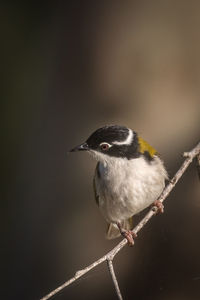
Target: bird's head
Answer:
[[115, 141]]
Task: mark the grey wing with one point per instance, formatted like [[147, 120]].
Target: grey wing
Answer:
[[94, 185]]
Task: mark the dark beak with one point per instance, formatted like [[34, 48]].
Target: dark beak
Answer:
[[81, 147]]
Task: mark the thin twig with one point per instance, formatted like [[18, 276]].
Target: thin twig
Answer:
[[114, 278], [111, 254]]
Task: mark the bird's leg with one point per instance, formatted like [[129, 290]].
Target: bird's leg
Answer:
[[128, 234], [159, 205]]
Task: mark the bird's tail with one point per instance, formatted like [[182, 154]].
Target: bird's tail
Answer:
[[113, 230]]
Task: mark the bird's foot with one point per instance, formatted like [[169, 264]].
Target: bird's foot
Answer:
[[159, 205], [128, 234]]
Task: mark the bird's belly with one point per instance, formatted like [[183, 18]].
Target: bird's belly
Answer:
[[123, 204], [122, 197]]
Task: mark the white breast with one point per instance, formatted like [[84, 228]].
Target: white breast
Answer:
[[125, 187]]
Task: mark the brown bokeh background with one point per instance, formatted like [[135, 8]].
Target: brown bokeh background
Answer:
[[69, 68]]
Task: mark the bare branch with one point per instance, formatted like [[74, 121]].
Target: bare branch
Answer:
[[114, 278], [111, 254]]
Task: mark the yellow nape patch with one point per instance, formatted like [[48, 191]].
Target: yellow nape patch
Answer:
[[145, 147]]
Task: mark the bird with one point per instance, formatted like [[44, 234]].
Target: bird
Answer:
[[129, 176]]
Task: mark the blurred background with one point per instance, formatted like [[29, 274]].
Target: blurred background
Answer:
[[69, 68]]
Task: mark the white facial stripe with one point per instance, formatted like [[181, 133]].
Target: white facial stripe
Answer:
[[127, 141]]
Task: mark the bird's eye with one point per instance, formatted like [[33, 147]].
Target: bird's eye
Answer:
[[104, 146]]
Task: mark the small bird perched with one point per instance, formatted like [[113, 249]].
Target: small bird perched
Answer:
[[129, 176]]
